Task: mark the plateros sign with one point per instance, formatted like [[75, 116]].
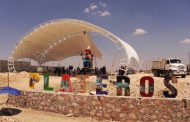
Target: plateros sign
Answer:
[[122, 85]]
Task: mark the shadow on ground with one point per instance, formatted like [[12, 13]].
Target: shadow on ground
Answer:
[[9, 111]]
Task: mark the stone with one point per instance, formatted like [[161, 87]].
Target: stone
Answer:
[[75, 104], [153, 117], [43, 103], [131, 106], [157, 111], [142, 110], [69, 115], [132, 116], [52, 108], [93, 103], [109, 108], [92, 113], [41, 108], [129, 121], [165, 116], [139, 121], [179, 114], [188, 119], [99, 114], [96, 107], [115, 115], [107, 115], [118, 109], [162, 120], [122, 115], [70, 110], [155, 121]]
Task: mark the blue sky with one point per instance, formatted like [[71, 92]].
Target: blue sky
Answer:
[[155, 28]]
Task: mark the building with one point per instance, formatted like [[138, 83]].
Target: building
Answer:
[[19, 65]]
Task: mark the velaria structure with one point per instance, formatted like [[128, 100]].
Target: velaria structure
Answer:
[[59, 39]]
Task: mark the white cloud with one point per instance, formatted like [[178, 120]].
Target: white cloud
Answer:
[[97, 9], [104, 13], [90, 8], [87, 10], [139, 31], [102, 4], [93, 6], [186, 41]]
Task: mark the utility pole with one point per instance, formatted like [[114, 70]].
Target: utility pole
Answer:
[[188, 57], [146, 65]]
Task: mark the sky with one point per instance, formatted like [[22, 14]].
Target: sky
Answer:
[[154, 28]]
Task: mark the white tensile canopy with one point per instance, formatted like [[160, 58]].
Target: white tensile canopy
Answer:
[[59, 39]]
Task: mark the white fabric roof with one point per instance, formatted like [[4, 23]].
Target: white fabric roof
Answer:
[[58, 39]]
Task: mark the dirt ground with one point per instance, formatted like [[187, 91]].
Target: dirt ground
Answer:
[[28, 115]]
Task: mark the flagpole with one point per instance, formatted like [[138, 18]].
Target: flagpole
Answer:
[[8, 78]]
